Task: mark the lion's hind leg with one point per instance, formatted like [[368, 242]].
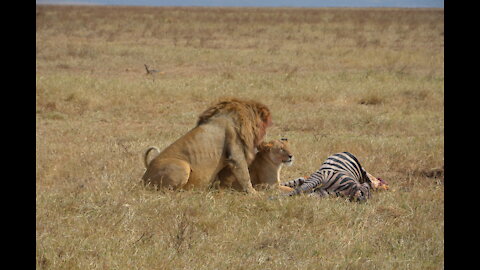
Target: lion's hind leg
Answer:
[[167, 173]]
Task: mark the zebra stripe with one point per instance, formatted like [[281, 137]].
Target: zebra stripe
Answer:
[[341, 174], [294, 183]]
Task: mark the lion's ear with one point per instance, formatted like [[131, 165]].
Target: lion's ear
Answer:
[[264, 146]]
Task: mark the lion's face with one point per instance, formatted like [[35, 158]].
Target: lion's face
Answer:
[[278, 151]]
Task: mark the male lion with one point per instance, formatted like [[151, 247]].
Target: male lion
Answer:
[[226, 135], [265, 168]]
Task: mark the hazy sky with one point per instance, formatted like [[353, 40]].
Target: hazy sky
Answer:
[[259, 3]]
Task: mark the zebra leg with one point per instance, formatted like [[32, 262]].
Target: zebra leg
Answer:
[[319, 193], [306, 187], [294, 183]]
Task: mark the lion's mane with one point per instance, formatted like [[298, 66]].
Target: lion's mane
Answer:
[[249, 117]]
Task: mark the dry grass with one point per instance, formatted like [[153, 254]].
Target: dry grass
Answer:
[[368, 81]]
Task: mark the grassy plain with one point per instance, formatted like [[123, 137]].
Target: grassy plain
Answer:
[[368, 81]]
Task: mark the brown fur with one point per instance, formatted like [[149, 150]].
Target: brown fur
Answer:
[[226, 135], [250, 117], [265, 168]]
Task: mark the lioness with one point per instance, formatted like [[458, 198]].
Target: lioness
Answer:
[[226, 135], [265, 168]]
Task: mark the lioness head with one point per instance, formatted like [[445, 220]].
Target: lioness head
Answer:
[[278, 151]]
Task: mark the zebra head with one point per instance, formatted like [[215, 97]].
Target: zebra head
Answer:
[[360, 193]]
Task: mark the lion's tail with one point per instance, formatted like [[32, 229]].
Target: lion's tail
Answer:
[[145, 157]]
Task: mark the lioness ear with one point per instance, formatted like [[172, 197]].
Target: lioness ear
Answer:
[[264, 146], [284, 139]]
